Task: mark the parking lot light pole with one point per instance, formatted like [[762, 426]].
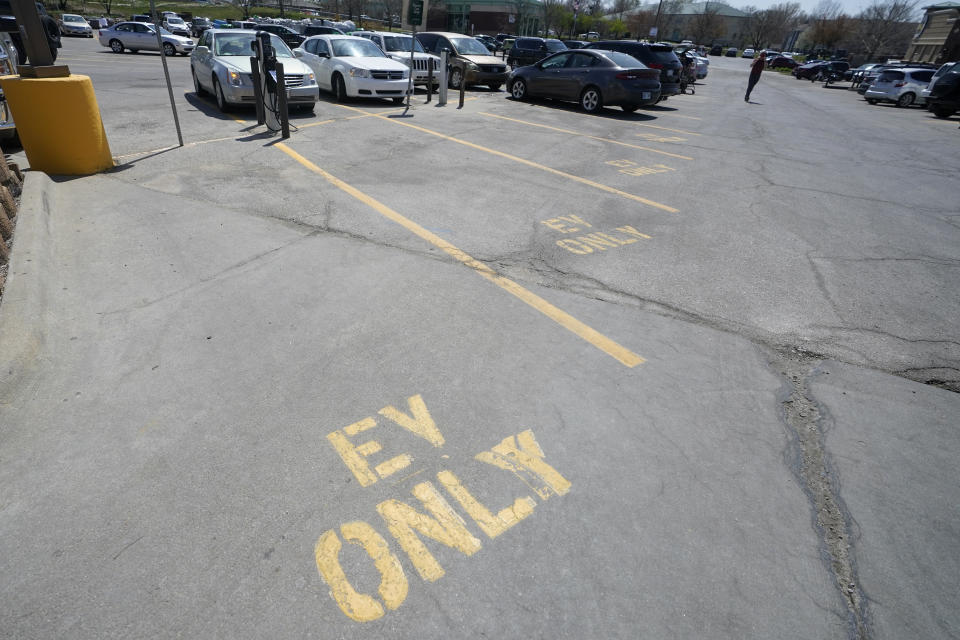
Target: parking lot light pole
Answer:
[[166, 71]]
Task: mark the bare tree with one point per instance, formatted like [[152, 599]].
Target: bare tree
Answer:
[[641, 20], [392, 8], [669, 17], [767, 26], [620, 7], [244, 6], [553, 13], [828, 25], [884, 26], [707, 26]]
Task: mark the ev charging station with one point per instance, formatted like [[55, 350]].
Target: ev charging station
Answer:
[[269, 87]]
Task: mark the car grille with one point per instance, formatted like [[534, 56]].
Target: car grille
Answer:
[[387, 75], [421, 64], [292, 79], [492, 68]]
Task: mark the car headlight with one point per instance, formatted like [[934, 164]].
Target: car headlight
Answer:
[[309, 80], [235, 78], [359, 73], [472, 66]]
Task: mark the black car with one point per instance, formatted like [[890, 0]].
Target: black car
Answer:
[[593, 78], [716, 50], [655, 56], [809, 70], [527, 51], [575, 44], [198, 26], [288, 35], [944, 98], [316, 30]]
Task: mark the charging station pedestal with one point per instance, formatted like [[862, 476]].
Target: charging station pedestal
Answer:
[[270, 88]]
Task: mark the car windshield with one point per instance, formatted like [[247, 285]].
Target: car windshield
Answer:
[[72, 18], [401, 43], [359, 48], [469, 46], [890, 76], [173, 20], [238, 44], [624, 60], [555, 45]]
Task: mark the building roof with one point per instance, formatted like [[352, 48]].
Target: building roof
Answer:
[[695, 8], [943, 5]]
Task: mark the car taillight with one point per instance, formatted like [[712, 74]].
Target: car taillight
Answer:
[[655, 65], [899, 84]]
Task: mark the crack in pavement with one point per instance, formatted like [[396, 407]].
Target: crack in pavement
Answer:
[[806, 422]]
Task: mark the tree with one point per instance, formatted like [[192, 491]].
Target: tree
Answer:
[[620, 7], [828, 26], [553, 14], [641, 20], [767, 26], [884, 26], [668, 18], [244, 6], [708, 25]]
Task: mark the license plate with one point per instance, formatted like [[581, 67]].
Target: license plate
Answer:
[[669, 72], [645, 95]]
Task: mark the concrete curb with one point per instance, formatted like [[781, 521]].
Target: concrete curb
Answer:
[[23, 318]]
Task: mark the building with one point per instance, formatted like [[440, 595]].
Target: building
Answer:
[[937, 39], [521, 17]]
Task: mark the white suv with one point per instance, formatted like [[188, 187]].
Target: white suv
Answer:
[[901, 86], [397, 46]]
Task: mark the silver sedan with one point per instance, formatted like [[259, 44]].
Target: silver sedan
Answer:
[[137, 36]]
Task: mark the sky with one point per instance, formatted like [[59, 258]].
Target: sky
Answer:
[[850, 7]]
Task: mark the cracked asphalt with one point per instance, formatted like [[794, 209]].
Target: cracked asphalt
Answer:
[[251, 389]]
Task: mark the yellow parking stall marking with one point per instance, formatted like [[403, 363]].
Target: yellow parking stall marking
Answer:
[[584, 135], [653, 126], [314, 124], [677, 115], [535, 165], [564, 319], [186, 145]]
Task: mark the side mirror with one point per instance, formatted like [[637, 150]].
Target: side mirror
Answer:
[[323, 54], [298, 53], [202, 50]]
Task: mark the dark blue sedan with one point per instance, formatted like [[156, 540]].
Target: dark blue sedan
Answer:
[[592, 77]]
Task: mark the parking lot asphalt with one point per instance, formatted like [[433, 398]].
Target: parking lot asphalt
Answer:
[[552, 374]]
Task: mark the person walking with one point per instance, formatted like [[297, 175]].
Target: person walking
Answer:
[[755, 70]]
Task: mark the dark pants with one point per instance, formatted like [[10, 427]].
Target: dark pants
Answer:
[[750, 85]]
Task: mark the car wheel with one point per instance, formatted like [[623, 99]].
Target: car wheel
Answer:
[[494, 87], [942, 112], [169, 49], [308, 108], [519, 89], [222, 103], [456, 77], [591, 100], [905, 100], [872, 101], [629, 108], [339, 88], [116, 46], [397, 100], [197, 89]]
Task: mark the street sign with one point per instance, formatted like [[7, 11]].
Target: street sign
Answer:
[[653, 31], [414, 14]]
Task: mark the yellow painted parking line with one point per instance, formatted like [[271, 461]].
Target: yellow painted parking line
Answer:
[[186, 145], [313, 124], [564, 319], [530, 163], [584, 135], [653, 126], [677, 115]]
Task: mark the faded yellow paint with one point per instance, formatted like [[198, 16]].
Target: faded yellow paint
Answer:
[[653, 126], [491, 524], [535, 165], [647, 171], [591, 335], [419, 422], [357, 606], [523, 456], [353, 456], [443, 525], [360, 426], [562, 223], [391, 466], [628, 229], [622, 163], [393, 582], [574, 246], [584, 135]]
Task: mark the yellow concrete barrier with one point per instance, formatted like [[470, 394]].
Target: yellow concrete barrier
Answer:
[[59, 124]]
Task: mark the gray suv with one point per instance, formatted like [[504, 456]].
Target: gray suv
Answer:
[[527, 51]]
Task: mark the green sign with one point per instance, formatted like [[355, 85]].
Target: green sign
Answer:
[[415, 12]]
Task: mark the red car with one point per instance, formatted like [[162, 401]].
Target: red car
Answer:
[[781, 61]]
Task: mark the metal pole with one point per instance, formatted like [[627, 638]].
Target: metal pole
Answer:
[[413, 43], [32, 33], [463, 83], [442, 99], [166, 72], [257, 88], [429, 80]]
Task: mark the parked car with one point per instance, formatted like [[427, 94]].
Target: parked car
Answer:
[[481, 67], [944, 98], [592, 77], [831, 71], [198, 26], [176, 26], [140, 17], [748, 53], [871, 76], [288, 35], [398, 46], [488, 41], [856, 74], [8, 67], [944, 68], [575, 44], [532, 50], [900, 86], [220, 65], [350, 66], [318, 30], [716, 50], [654, 56], [74, 25], [809, 70], [780, 62], [141, 36], [731, 52]]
